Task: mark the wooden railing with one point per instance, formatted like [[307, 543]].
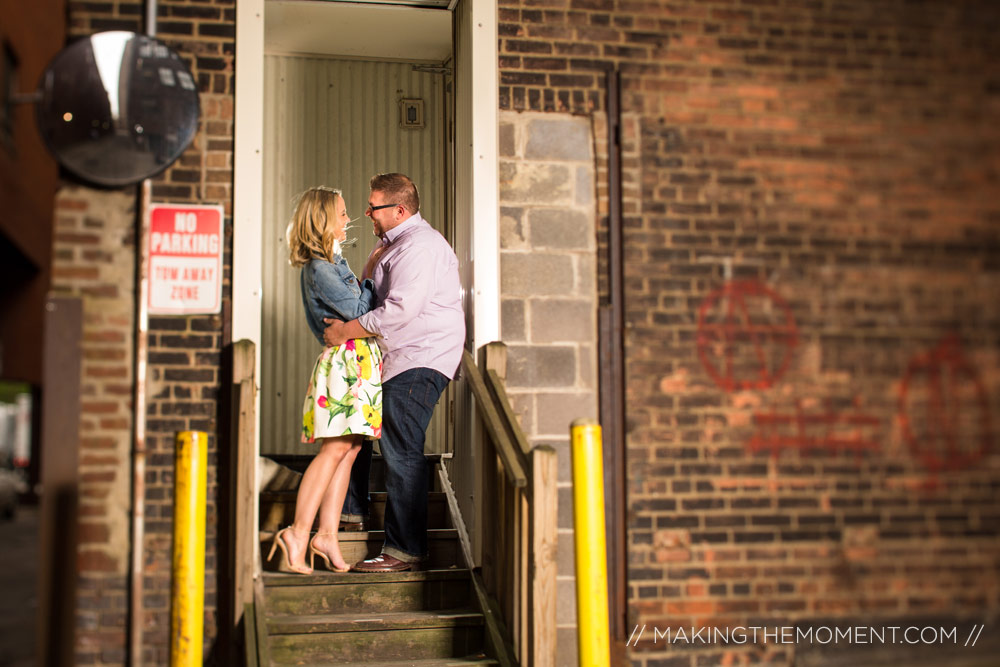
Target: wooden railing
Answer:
[[518, 518], [243, 466], [517, 522]]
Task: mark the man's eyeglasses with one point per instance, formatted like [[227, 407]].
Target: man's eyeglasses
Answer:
[[375, 208]]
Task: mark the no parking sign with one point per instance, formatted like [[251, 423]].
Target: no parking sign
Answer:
[[185, 259]]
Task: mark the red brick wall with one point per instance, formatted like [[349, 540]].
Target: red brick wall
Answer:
[[93, 259], [184, 352], [812, 264]]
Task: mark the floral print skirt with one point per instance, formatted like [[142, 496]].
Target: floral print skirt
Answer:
[[345, 392]]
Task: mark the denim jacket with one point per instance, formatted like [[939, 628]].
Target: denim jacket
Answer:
[[330, 289]]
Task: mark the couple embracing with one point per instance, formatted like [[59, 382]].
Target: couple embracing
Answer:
[[394, 340]]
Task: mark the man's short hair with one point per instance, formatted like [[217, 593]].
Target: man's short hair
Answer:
[[398, 188]]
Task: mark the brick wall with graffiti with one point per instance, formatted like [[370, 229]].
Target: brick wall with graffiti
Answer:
[[813, 323]]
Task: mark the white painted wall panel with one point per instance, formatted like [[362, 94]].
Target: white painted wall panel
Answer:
[[464, 470]]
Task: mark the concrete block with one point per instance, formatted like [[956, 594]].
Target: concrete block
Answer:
[[506, 137], [562, 320], [558, 139], [567, 645], [566, 554], [586, 275], [537, 274], [512, 231], [512, 324], [566, 602], [585, 186], [562, 456], [541, 366], [557, 410], [561, 228], [536, 183], [523, 405], [565, 507], [587, 373]]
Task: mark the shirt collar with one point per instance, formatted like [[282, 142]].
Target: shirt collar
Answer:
[[390, 236]]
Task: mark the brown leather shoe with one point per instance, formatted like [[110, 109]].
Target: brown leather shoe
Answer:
[[352, 526], [384, 563]]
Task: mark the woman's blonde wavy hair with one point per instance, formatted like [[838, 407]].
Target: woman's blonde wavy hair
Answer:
[[310, 234]]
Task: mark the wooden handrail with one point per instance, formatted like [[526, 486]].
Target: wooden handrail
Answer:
[[491, 417], [520, 504], [244, 466], [500, 395]]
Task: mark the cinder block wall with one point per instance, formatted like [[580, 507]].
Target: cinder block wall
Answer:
[[549, 301], [94, 258], [812, 265]]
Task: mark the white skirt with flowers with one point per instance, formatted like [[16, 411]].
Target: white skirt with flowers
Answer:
[[345, 392]]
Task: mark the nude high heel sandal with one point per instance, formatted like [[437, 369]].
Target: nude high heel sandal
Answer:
[[313, 551], [285, 564]]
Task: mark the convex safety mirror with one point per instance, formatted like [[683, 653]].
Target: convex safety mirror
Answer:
[[117, 107]]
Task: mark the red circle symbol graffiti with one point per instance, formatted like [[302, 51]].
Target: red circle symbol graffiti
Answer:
[[746, 334], [944, 409]]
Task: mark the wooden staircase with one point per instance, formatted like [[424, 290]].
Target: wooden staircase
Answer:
[[429, 617]]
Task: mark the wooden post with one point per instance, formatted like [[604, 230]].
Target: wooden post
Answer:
[[544, 546], [493, 356], [245, 465], [486, 516], [522, 560]]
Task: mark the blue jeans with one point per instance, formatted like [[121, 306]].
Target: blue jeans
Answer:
[[408, 401]]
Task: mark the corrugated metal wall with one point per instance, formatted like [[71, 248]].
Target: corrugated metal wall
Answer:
[[333, 122]]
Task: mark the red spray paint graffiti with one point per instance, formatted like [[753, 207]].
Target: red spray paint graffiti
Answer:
[[944, 410], [746, 334], [828, 430]]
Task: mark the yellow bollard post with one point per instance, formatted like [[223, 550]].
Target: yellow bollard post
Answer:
[[591, 559], [187, 593]]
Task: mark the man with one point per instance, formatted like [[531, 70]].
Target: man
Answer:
[[420, 327]]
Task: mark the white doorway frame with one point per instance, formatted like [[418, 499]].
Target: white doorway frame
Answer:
[[248, 173]]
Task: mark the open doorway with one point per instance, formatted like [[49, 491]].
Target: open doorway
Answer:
[[336, 122], [339, 108], [406, 44]]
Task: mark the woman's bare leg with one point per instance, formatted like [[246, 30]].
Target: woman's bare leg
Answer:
[[331, 506], [315, 481]]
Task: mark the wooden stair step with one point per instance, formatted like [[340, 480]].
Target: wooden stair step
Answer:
[[368, 535], [358, 593], [324, 577], [436, 662], [415, 642], [440, 662], [379, 621], [429, 617], [441, 542]]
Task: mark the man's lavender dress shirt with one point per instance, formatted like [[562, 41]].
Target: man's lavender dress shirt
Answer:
[[419, 319]]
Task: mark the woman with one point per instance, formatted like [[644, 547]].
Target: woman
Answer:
[[343, 402]]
